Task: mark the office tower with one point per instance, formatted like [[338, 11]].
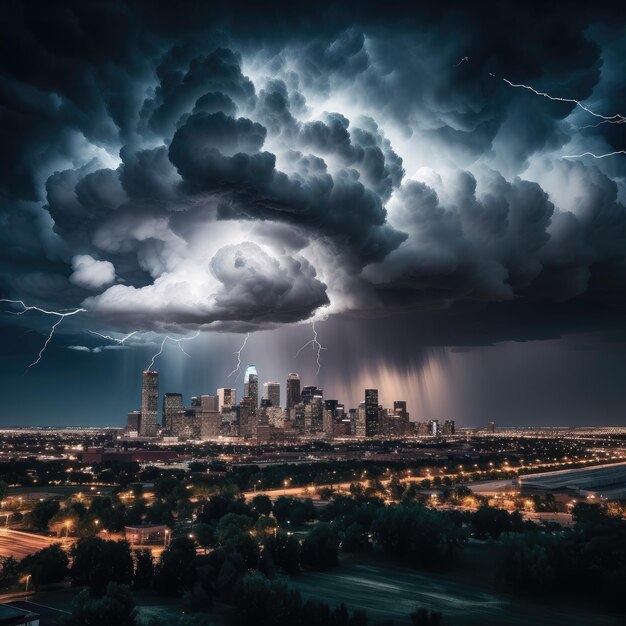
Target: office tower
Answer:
[[133, 422], [311, 391], [229, 426], [360, 429], [448, 428], [331, 405], [293, 390], [209, 403], [251, 385], [399, 407], [172, 404], [314, 416], [491, 427], [402, 418], [433, 428], [149, 404], [247, 418], [226, 397], [296, 414], [271, 392], [328, 421], [371, 413]]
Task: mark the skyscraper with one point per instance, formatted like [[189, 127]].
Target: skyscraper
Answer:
[[172, 404], [371, 413], [226, 397], [149, 404], [271, 392], [293, 390], [251, 385]]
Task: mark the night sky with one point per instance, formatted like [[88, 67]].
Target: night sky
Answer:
[[438, 187]]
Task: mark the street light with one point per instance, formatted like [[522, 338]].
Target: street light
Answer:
[[27, 581], [167, 532]]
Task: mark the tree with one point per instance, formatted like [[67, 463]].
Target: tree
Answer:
[[265, 526], [320, 548], [115, 607], [47, 566], [43, 512], [144, 569], [97, 562], [9, 573], [284, 550], [205, 535], [176, 569], [231, 526], [262, 504], [4, 490], [490, 522], [418, 535]]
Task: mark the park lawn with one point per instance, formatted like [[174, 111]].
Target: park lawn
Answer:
[[466, 597]]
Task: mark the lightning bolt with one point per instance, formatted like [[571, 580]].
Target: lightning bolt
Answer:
[[463, 60], [316, 346], [606, 119], [60, 314], [238, 353], [595, 156], [177, 342], [116, 340], [616, 118]]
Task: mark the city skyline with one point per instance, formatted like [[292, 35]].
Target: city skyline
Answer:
[[442, 221]]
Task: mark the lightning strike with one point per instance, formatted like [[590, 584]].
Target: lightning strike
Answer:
[[606, 119], [595, 156], [115, 339], [177, 342], [316, 346], [60, 314], [463, 60], [238, 353]]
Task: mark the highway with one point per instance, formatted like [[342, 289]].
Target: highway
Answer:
[[19, 544]]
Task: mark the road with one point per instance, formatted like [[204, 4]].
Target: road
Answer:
[[19, 544]]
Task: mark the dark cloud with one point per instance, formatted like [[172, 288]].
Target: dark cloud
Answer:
[[355, 163]]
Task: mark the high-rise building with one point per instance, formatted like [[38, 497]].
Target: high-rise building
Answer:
[[293, 390], [491, 427], [311, 391], [360, 423], [226, 397], [449, 428], [247, 418], [149, 404], [371, 413], [209, 403], [271, 392], [172, 404], [251, 385], [133, 422]]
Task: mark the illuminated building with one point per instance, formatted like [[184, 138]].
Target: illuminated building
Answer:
[[226, 397], [271, 392], [172, 404], [293, 390], [149, 404], [371, 413], [251, 385]]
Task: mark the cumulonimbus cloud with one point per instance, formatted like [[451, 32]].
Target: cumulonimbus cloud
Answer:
[[237, 184]]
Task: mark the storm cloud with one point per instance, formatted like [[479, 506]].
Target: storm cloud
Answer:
[[187, 170]]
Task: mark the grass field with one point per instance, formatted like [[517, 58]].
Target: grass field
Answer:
[[387, 591]]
